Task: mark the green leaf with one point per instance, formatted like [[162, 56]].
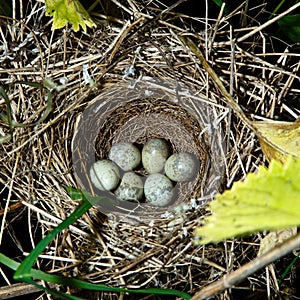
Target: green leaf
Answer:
[[72, 11], [290, 26], [266, 200], [218, 2], [75, 194], [104, 200]]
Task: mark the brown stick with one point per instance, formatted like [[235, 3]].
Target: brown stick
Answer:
[[237, 276], [229, 99], [243, 272], [18, 289], [273, 20]]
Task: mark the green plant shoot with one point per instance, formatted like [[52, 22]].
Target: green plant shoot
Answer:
[[68, 11]]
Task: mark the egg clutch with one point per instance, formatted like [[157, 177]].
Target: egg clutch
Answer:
[[149, 175]]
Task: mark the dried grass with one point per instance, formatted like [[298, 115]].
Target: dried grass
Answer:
[[37, 163]]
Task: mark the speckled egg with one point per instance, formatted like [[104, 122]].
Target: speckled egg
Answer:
[[105, 175], [130, 188], [181, 166], [154, 155], [158, 190], [125, 155]]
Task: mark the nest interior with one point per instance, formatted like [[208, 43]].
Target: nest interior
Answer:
[[36, 162]]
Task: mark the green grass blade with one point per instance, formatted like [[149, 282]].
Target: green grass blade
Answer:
[[75, 194], [23, 270], [6, 138], [38, 275], [287, 270], [276, 9], [58, 295], [76, 283], [25, 273], [11, 122]]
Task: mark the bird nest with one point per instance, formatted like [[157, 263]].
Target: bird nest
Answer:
[[126, 113], [132, 81]]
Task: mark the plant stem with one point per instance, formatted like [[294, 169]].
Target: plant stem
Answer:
[[243, 272]]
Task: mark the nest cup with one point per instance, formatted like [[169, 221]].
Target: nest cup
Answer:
[[136, 113]]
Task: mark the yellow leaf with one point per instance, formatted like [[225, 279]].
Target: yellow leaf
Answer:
[[280, 139], [266, 200], [64, 11]]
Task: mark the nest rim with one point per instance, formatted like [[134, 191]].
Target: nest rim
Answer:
[[132, 119]]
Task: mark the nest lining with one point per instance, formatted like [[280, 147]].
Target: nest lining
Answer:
[[115, 252]]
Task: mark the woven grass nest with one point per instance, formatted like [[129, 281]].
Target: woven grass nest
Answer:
[[86, 119], [127, 114]]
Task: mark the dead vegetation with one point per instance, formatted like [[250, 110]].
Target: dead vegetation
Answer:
[[260, 71]]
